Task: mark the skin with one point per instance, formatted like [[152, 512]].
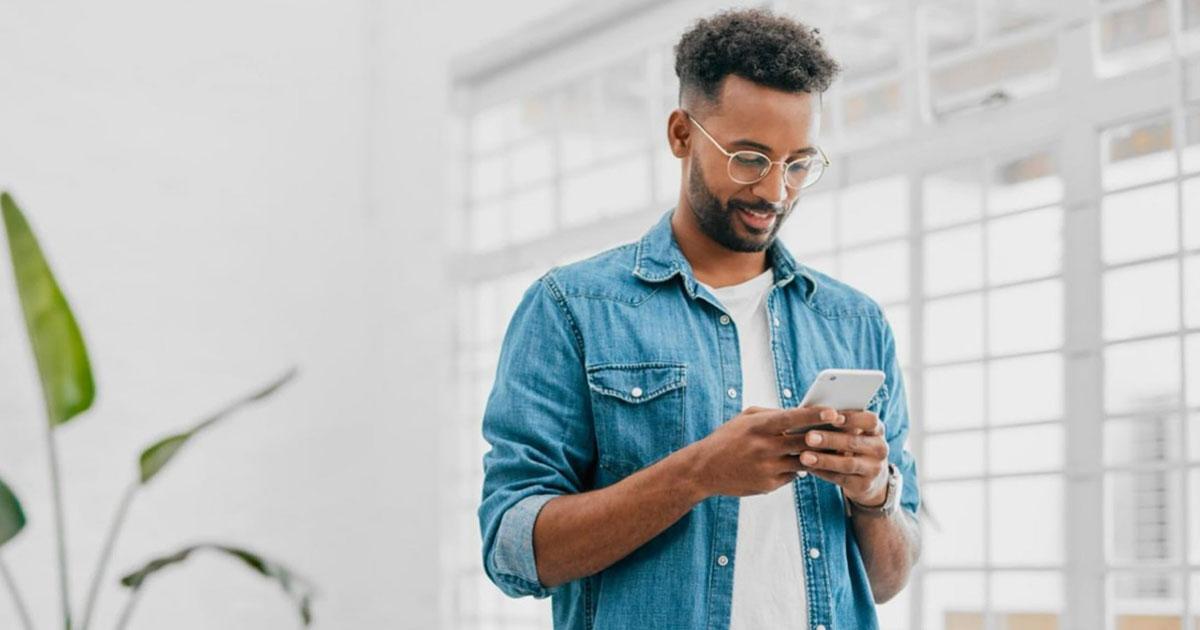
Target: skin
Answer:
[[749, 454]]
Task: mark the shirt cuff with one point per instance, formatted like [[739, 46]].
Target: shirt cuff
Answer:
[[513, 553]]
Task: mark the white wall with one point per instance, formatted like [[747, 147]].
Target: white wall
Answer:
[[225, 189]]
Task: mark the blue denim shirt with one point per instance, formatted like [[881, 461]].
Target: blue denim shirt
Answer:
[[563, 418]]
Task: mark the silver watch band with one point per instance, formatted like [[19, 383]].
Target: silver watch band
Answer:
[[891, 499]]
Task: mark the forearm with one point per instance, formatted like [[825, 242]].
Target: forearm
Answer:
[[582, 534], [890, 546]]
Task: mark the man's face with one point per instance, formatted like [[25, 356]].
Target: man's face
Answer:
[[781, 125]]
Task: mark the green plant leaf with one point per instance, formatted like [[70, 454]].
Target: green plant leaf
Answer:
[[298, 589], [62, 358], [154, 458], [12, 518]]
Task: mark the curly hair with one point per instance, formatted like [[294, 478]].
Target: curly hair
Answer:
[[757, 45]]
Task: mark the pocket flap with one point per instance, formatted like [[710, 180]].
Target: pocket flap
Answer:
[[636, 382]]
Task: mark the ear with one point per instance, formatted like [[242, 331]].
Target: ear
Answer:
[[679, 133]]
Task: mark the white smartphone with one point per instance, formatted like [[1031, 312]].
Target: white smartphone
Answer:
[[841, 389]]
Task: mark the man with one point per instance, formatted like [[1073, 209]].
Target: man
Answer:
[[639, 471]]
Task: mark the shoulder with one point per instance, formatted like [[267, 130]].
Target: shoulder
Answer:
[[836, 299], [607, 275]]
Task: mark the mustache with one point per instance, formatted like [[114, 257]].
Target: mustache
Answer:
[[757, 207]]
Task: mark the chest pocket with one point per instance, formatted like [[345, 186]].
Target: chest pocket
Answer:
[[637, 409]]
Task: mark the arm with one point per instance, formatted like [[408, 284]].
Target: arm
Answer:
[[746, 455], [890, 545], [856, 459], [618, 519]]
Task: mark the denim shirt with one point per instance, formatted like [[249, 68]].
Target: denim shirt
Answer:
[[612, 363]]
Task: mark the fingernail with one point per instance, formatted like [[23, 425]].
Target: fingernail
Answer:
[[815, 438], [828, 415], [840, 420], [808, 459]]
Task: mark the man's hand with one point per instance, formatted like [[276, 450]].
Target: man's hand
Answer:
[[854, 457], [751, 454]]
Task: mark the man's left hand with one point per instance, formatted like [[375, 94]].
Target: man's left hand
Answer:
[[854, 456]]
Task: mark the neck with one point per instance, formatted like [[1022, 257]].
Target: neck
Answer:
[[712, 263]]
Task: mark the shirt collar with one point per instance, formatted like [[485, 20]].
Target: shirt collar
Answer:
[[659, 259]]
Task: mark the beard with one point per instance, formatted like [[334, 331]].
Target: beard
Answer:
[[719, 221]]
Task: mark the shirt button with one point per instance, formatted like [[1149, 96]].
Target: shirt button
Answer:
[[787, 393], [732, 393], [636, 392], [802, 474], [814, 553], [724, 319], [776, 320], [819, 627], [722, 560]]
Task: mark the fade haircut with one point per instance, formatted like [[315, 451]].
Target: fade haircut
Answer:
[[755, 44]]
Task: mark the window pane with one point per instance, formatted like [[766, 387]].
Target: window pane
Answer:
[[1026, 449], [954, 397], [948, 25], [1132, 38], [954, 601], [1141, 375], [1141, 300], [1025, 317], [868, 41], [1145, 601], [487, 225], [878, 108], [1016, 70], [1149, 438], [1191, 213], [955, 524], [880, 271], [873, 210], [896, 613], [1192, 345], [1140, 223], [1030, 601], [954, 328], [1024, 246], [618, 187], [1143, 511], [1191, 291], [1025, 182], [1026, 388], [952, 197], [953, 260], [532, 214], [809, 229], [953, 455], [531, 162], [1137, 152], [1194, 516], [1026, 520], [488, 177]]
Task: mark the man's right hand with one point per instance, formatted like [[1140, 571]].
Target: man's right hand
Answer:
[[750, 454]]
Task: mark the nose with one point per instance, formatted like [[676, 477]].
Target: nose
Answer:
[[771, 188]]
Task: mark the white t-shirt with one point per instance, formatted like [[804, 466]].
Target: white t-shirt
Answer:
[[768, 565]]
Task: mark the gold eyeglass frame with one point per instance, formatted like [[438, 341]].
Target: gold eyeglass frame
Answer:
[[770, 163]]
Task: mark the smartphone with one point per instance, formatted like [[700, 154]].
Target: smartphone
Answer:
[[840, 389]]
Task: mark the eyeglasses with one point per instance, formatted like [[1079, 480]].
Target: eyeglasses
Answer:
[[750, 167]]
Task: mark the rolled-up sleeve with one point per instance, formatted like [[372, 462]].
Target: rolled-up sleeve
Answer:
[[894, 414], [538, 424]]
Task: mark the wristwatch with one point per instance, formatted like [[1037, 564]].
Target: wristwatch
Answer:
[[891, 501]]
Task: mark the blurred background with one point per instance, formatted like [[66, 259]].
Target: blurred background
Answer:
[[365, 189]]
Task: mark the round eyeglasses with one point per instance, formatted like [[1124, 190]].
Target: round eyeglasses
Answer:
[[750, 167]]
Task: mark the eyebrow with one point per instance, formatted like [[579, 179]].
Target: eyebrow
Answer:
[[746, 142]]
